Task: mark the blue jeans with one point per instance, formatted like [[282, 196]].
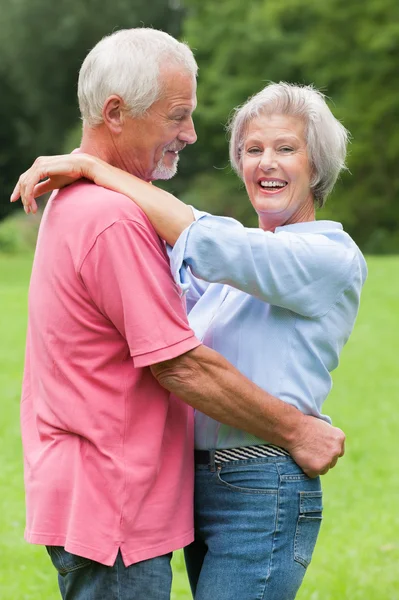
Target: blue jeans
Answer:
[[84, 579], [257, 523]]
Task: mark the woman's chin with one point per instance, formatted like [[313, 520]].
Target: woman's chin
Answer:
[[269, 205], [269, 210]]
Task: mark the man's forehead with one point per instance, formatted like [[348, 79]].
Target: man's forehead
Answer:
[[182, 97]]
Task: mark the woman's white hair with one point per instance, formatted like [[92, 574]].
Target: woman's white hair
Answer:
[[326, 137], [128, 63]]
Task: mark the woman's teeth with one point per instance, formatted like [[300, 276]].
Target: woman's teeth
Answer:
[[272, 184]]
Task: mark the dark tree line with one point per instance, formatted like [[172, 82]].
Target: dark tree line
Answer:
[[349, 50]]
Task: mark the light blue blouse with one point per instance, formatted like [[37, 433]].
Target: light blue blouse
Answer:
[[279, 306]]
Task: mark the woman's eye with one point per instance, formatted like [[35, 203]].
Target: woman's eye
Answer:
[[253, 150], [286, 149]]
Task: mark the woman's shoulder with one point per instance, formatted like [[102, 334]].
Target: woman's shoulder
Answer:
[[319, 241]]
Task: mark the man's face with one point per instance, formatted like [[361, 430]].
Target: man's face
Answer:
[[149, 146]]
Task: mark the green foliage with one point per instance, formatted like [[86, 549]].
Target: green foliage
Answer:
[[13, 141], [18, 233]]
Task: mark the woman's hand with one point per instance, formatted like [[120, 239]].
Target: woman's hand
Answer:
[[168, 215], [56, 171]]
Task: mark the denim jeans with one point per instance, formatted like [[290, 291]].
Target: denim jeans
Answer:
[[257, 523], [83, 579]]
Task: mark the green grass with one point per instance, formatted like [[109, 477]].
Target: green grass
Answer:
[[357, 555]]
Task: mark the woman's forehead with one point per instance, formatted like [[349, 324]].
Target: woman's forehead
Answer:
[[276, 126]]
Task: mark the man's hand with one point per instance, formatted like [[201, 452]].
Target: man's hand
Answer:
[[317, 446]]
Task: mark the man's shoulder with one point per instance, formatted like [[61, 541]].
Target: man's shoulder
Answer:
[[96, 204]]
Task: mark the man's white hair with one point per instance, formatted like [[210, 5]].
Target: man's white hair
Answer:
[[326, 137], [128, 63]]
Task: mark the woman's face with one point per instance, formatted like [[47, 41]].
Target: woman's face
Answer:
[[276, 171]]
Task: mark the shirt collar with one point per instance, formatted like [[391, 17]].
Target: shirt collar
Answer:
[[311, 227]]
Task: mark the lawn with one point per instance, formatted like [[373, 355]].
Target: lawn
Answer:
[[357, 557]]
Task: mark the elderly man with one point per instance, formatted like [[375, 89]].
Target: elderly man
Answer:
[[108, 451]]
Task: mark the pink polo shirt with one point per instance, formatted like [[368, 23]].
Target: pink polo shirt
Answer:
[[108, 452]]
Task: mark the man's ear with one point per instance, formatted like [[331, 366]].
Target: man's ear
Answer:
[[113, 114]]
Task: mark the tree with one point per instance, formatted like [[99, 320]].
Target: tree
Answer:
[[13, 140]]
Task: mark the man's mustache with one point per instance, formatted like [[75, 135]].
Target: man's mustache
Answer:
[[174, 147]]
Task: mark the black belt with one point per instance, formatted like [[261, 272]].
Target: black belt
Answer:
[[204, 457]]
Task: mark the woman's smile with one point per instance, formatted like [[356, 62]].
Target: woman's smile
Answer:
[[272, 185]]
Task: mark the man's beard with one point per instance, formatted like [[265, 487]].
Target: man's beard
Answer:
[[161, 171]]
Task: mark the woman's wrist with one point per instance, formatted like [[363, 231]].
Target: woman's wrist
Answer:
[[88, 166]]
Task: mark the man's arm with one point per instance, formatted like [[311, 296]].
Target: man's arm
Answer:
[[206, 381], [127, 277]]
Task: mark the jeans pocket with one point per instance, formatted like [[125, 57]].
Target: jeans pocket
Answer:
[[65, 562], [308, 526], [249, 479]]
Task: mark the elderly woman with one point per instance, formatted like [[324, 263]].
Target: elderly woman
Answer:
[[279, 302]]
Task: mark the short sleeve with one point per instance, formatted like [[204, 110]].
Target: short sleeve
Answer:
[[127, 275]]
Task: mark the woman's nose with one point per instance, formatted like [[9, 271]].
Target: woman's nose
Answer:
[[268, 161]]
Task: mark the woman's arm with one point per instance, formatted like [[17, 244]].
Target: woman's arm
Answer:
[[303, 273], [168, 215]]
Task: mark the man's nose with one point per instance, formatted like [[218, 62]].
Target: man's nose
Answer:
[[188, 134]]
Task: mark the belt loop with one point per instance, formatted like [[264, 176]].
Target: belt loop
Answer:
[[212, 460]]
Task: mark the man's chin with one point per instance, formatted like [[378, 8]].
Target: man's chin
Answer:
[[163, 174], [163, 171]]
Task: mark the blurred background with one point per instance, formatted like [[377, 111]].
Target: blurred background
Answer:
[[349, 49]]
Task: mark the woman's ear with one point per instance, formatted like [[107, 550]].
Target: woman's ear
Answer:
[[113, 114]]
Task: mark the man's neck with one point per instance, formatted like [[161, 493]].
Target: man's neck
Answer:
[[94, 142], [98, 141]]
